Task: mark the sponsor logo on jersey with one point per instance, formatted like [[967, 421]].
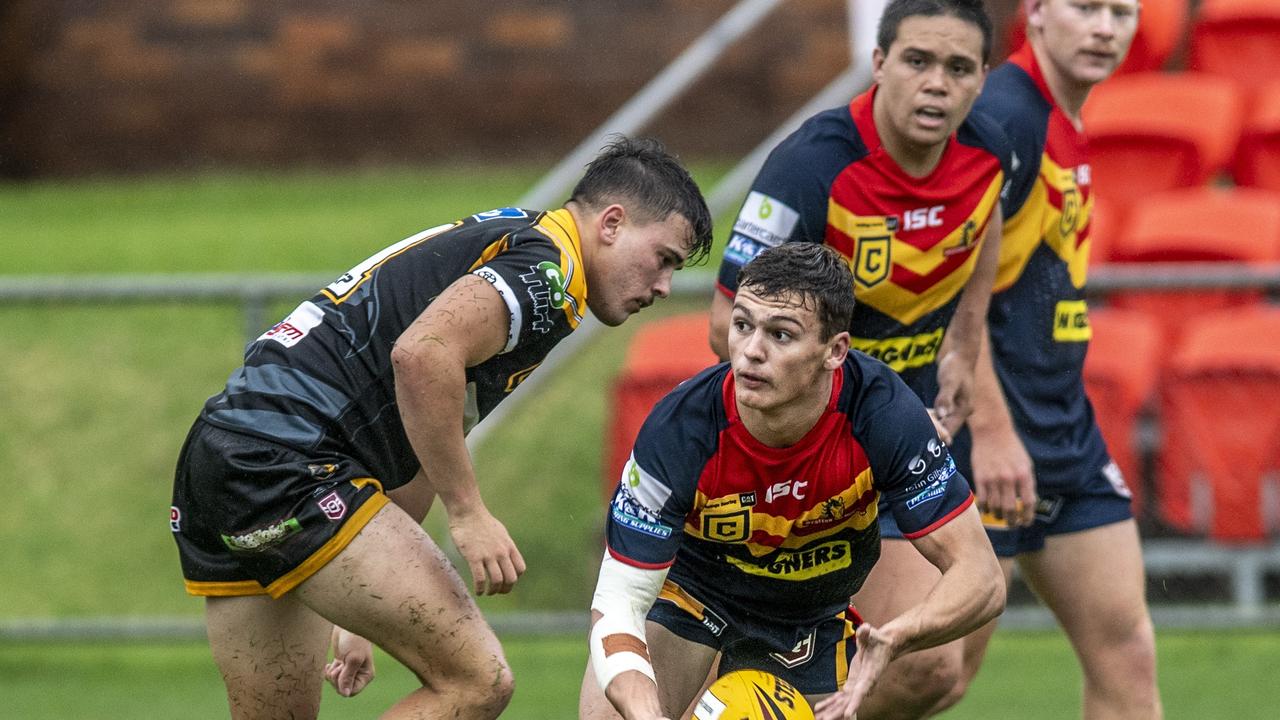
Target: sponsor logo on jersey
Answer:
[[968, 236], [766, 219], [800, 564], [1071, 321], [900, 353], [747, 499], [712, 621], [939, 474], [742, 249], [262, 538], [332, 506], [631, 504], [293, 329], [728, 527], [1070, 220], [792, 488], [175, 518], [923, 217], [506, 212], [543, 295], [872, 265], [800, 654], [931, 493], [833, 510]]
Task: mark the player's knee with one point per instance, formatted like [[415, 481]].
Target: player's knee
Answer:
[[486, 685]]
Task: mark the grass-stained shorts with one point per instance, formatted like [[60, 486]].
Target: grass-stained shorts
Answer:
[[252, 517], [815, 659]]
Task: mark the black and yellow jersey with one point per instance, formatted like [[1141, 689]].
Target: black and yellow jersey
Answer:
[[912, 243], [322, 378], [1038, 320]]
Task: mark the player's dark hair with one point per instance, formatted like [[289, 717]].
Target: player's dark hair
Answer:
[[970, 11], [653, 181], [814, 272]]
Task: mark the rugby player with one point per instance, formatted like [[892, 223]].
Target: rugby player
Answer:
[[746, 515], [1054, 500], [907, 185], [301, 487]]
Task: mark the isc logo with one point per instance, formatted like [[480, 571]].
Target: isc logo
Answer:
[[923, 218]]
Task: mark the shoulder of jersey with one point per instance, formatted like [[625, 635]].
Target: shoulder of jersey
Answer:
[[824, 137], [1010, 97]]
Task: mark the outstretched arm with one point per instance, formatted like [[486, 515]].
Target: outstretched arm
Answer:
[[463, 327], [619, 650], [969, 594]]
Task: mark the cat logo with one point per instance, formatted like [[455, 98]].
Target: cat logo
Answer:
[[1070, 212], [872, 264], [727, 527]]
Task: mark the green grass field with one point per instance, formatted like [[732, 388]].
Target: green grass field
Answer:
[[1027, 675], [96, 401]]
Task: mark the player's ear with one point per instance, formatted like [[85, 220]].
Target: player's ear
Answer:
[[1033, 9], [877, 64], [837, 349], [611, 220]]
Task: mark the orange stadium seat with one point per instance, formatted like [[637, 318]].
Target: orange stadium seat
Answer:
[[1258, 159], [1120, 374], [1219, 464], [1163, 24], [1197, 225], [1155, 131], [1239, 39], [662, 354]]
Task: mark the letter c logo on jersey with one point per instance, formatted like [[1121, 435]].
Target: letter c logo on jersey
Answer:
[[871, 267], [727, 527]]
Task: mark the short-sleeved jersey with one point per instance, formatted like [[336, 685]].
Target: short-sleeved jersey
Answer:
[[323, 378], [912, 243], [781, 533], [1038, 320]]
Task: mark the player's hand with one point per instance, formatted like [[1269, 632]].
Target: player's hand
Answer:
[[492, 555], [875, 650], [351, 668], [954, 403], [943, 433], [1003, 476]]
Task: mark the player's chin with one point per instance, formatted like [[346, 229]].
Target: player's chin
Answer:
[[610, 315]]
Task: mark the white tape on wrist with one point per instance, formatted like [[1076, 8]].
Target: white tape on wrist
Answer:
[[623, 597]]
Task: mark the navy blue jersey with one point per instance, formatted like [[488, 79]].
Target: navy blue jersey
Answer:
[[912, 243], [322, 379], [781, 533], [1038, 320]]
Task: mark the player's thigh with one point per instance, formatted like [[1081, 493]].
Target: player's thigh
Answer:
[[271, 654], [394, 586], [680, 666], [1093, 581]]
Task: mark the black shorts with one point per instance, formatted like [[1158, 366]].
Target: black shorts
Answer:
[[252, 517], [814, 658]]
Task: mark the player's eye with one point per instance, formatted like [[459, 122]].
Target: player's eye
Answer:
[[781, 335]]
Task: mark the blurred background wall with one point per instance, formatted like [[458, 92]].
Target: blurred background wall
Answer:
[[115, 86]]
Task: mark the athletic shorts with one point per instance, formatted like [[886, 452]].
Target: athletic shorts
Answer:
[[252, 517], [1098, 501], [815, 659]]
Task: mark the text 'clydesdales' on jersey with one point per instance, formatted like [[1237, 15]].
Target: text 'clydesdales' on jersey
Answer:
[[912, 243], [1039, 320], [787, 533], [322, 378]]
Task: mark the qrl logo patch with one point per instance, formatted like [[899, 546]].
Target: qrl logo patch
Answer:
[[332, 506], [871, 267]]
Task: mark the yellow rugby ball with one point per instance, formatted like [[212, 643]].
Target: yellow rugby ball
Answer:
[[752, 695]]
